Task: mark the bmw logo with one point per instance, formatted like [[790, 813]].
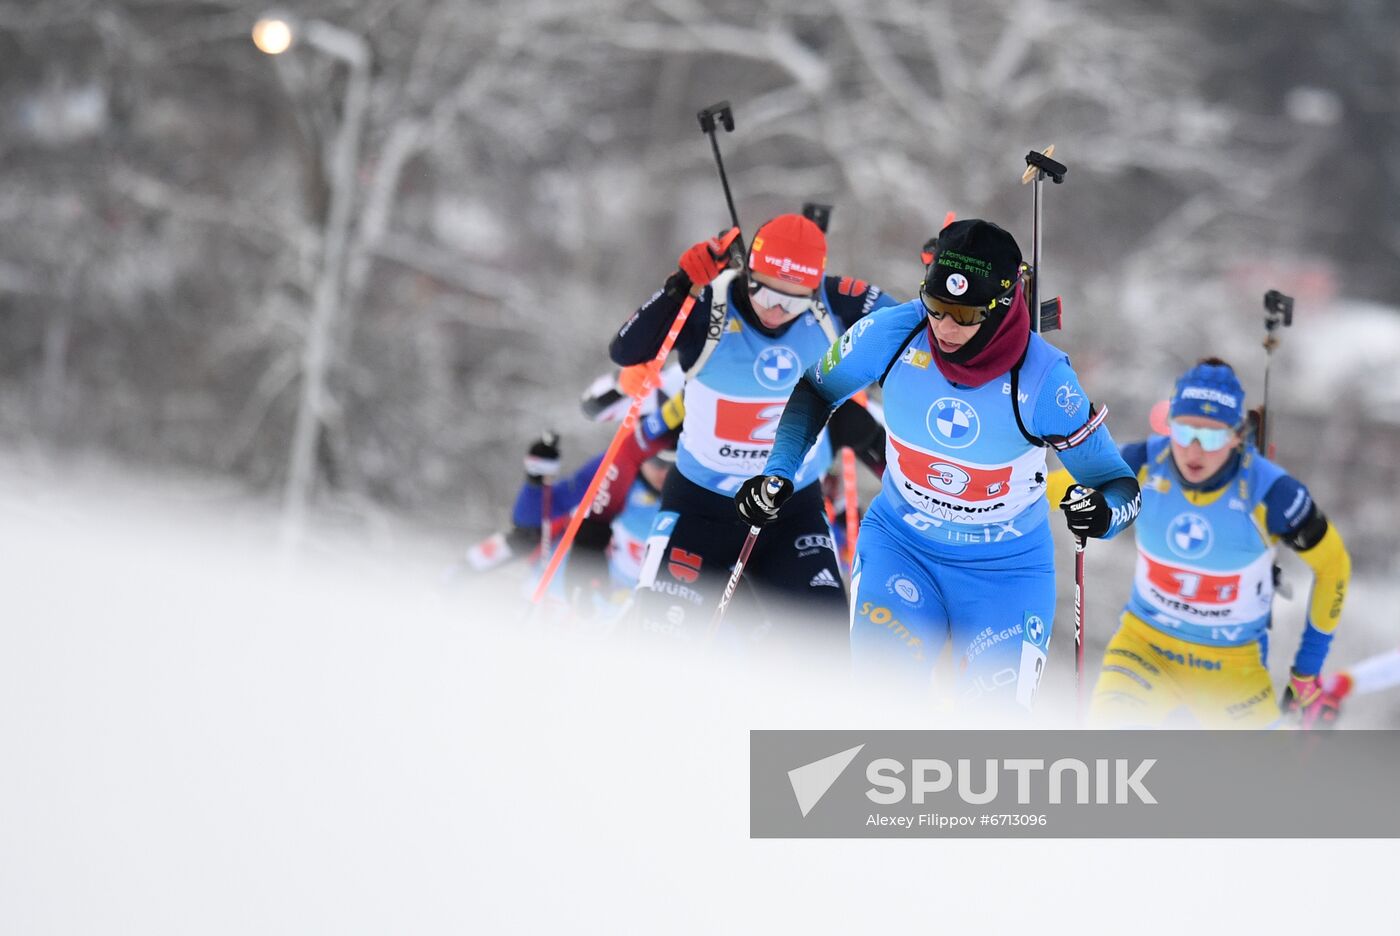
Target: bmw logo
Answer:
[[777, 368], [953, 422], [1035, 629], [1189, 536]]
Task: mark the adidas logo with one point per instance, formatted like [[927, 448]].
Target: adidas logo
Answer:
[[824, 577]]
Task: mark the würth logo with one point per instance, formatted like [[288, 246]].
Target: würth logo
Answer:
[[684, 565]]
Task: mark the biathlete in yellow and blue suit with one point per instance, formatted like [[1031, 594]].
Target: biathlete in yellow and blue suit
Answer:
[[1194, 635]]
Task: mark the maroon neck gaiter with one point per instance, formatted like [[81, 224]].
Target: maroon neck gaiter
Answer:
[[998, 356]]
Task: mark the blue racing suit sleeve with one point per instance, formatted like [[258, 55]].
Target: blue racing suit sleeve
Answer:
[[1134, 455], [1062, 410], [805, 414], [850, 299], [854, 361], [642, 335], [1291, 515], [564, 495]]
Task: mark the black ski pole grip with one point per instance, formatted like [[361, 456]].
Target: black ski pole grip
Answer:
[[818, 214], [1280, 309], [1055, 170], [721, 111]]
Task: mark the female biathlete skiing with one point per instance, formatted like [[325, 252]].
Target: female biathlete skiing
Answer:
[[956, 548]]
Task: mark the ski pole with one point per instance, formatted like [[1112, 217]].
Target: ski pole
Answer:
[[851, 492], [718, 112], [1278, 311], [585, 505], [774, 486], [712, 117], [1038, 167], [546, 510], [1079, 544], [818, 214]]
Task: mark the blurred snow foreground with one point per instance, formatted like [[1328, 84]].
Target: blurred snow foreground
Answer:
[[193, 733], [198, 739]]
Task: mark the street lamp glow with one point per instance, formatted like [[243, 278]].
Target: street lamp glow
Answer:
[[273, 36]]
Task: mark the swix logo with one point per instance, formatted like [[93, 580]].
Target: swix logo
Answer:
[[685, 566], [965, 482], [741, 421]]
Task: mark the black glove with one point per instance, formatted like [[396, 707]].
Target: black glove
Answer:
[[542, 461], [1087, 511], [760, 498]]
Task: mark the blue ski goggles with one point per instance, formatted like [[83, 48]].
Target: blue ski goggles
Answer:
[[1212, 439]]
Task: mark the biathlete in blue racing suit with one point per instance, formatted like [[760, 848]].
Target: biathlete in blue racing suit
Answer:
[[752, 333], [955, 547]]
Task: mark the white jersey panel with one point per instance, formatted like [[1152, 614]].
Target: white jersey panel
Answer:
[[735, 401]]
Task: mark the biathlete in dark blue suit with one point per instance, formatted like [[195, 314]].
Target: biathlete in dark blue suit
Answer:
[[956, 548], [751, 335]]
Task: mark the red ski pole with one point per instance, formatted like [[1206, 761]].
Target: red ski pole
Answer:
[[629, 421], [734, 577], [1079, 628], [774, 486], [851, 492]]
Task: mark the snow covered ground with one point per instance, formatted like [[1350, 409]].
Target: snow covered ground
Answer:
[[197, 740]]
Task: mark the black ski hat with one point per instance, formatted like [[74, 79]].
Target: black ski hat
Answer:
[[975, 263]]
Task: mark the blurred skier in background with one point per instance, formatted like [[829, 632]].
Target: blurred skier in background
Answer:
[[607, 551]]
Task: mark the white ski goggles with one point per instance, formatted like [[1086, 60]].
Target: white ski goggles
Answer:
[[771, 298], [1212, 439]]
